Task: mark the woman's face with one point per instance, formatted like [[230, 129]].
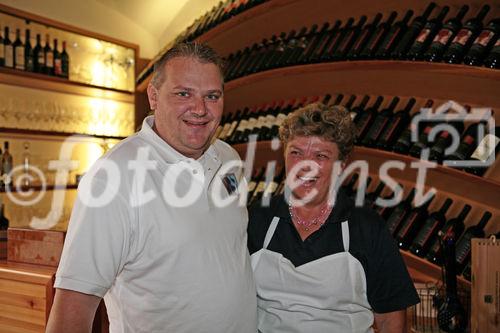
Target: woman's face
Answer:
[[309, 162]]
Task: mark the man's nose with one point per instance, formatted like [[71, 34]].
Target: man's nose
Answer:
[[199, 107]]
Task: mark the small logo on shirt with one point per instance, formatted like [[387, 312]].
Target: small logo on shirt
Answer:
[[230, 183]]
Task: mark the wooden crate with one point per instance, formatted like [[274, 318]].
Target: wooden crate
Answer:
[[42, 247]]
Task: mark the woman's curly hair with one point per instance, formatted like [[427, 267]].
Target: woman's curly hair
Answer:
[[332, 123]]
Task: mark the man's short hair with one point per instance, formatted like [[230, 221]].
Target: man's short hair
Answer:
[[199, 51]]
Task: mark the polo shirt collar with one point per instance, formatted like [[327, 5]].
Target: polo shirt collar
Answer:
[[340, 213]]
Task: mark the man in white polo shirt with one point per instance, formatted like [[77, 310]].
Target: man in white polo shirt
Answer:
[[157, 229]]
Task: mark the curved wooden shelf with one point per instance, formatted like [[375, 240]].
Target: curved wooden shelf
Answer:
[[476, 86], [57, 84], [233, 34]]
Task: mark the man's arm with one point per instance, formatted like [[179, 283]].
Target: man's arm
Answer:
[[391, 322], [72, 311]]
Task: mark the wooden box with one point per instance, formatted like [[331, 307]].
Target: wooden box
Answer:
[[41, 247]]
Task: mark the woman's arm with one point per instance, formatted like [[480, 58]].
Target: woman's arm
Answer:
[[391, 322]]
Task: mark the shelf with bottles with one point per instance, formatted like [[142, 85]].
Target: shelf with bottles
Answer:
[[300, 34], [89, 58], [57, 134], [470, 85]]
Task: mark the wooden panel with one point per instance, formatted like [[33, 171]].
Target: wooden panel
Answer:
[[22, 288], [464, 84], [8, 325], [11, 298], [23, 314], [42, 247]]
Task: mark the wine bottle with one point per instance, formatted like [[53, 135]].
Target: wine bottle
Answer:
[[426, 36], [445, 36], [412, 224], [338, 40], [380, 122], [396, 126], [453, 226], [260, 186], [7, 164], [4, 221], [2, 50], [371, 197], [326, 42], [443, 141], [464, 244], [393, 38], [64, 61], [240, 127], [39, 56], [358, 110], [363, 38], [326, 99], [339, 99], [464, 38], [29, 60], [311, 39], [223, 130], [348, 40], [271, 119], [483, 43], [430, 228], [485, 151], [18, 47], [375, 39], [298, 48], [240, 60], [57, 60], [411, 34], [49, 56], [493, 58], [315, 43], [275, 52], [26, 164], [243, 66], [404, 142], [289, 43], [364, 120], [423, 141], [349, 103], [251, 123], [467, 144], [400, 213], [8, 49]]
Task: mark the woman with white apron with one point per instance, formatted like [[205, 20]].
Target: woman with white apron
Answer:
[[320, 263]]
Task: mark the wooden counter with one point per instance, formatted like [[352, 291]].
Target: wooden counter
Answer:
[[26, 294]]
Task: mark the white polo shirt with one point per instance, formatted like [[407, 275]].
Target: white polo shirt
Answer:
[[161, 267]]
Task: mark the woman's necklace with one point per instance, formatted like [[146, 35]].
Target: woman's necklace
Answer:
[[307, 224]]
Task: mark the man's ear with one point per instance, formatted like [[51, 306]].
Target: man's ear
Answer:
[[152, 96]]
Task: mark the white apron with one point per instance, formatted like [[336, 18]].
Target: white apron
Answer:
[[321, 296]]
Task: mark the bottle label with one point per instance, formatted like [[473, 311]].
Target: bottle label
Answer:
[[485, 148], [57, 67], [271, 188], [224, 130], [243, 125], [443, 36], [279, 119], [20, 58], [251, 186], [484, 37], [41, 58], [9, 56], [422, 36], [261, 121], [462, 37], [231, 129], [252, 122], [50, 60]]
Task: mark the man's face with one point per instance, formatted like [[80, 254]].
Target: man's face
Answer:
[[188, 105], [312, 158]]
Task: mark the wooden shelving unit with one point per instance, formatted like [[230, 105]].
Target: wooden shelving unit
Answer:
[[468, 85]]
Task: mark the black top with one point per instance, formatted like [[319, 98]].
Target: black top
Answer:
[[389, 286]]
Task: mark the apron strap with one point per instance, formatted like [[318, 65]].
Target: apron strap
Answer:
[[345, 235], [270, 231]]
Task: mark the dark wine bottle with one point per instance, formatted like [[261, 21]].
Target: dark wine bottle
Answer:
[[363, 38], [64, 62], [337, 41], [400, 213], [483, 43], [445, 36], [296, 47], [29, 61], [485, 152], [380, 122], [57, 60], [316, 44], [243, 66], [464, 38], [281, 114], [326, 42], [4, 221], [49, 57], [464, 244], [326, 99], [339, 99], [426, 36], [348, 41], [467, 144], [257, 177], [288, 46], [18, 46], [360, 108], [396, 126], [413, 31], [8, 49], [2, 50], [276, 52], [240, 127], [404, 142], [375, 39], [430, 228], [364, 120], [393, 37], [423, 141], [39, 55], [493, 58], [453, 226], [412, 224], [443, 141], [350, 102]]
